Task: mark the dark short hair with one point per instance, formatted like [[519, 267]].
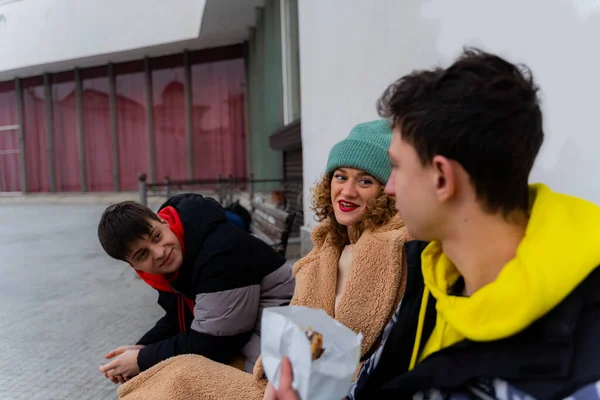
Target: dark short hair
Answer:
[[482, 112], [123, 223]]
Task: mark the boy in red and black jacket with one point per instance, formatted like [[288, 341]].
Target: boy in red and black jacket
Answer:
[[213, 281]]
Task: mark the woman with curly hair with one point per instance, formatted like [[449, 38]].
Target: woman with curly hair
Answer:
[[355, 271]]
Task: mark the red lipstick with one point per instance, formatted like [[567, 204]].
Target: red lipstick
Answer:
[[347, 206]]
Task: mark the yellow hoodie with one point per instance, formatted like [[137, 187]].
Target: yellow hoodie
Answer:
[[560, 248]]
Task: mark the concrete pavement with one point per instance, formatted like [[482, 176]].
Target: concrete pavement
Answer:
[[63, 303]]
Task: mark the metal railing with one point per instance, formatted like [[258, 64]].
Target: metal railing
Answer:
[[225, 188]]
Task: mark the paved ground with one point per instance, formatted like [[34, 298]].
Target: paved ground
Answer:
[[63, 303]]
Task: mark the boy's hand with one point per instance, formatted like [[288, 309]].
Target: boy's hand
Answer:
[[122, 349], [285, 391], [122, 368]]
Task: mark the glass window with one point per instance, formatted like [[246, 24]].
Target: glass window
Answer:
[[168, 98], [96, 129], [9, 139], [34, 134], [131, 122], [218, 119], [66, 164]]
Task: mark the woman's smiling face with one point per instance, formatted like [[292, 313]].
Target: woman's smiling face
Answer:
[[351, 190]]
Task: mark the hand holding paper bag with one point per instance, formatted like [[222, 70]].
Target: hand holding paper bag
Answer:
[[283, 335]]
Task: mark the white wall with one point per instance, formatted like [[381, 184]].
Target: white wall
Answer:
[[352, 49], [34, 32]]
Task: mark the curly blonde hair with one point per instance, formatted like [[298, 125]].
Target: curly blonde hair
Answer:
[[379, 212]]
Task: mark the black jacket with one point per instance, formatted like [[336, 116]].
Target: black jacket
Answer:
[[552, 359], [230, 276]]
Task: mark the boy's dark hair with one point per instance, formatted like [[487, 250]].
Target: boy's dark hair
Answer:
[[123, 223], [482, 112]]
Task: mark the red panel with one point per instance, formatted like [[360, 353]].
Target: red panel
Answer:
[[218, 115], [36, 144], [131, 119], [9, 143], [96, 130], [169, 123], [218, 112], [65, 133]]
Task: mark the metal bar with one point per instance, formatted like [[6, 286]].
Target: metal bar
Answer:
[[80, 134], [231, 190], [247, 106], [142, 188], [114, 129], [21, 136], [9, 128], [167, 188], [220, 182], [150, 120], [251, 184], [189, 120], [49, 132]]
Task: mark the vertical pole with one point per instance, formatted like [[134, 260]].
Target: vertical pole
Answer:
[[21, 136], [285, 60], [231, 190], [251, 116], [219, 192], [50, 131], [150, 120], [142, 189], [246, 105], [80, 134], [167, 187], [251, 187], [189, 120], [114, 129]]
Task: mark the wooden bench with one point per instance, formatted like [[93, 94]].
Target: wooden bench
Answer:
[[272, 226]]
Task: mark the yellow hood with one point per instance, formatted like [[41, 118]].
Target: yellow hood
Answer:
[[560, 248]]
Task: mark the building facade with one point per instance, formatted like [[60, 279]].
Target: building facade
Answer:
[[99, 92]]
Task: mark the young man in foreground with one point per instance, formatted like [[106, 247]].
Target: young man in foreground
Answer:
[[506, 301]]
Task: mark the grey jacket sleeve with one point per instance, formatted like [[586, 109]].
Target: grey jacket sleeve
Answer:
[[227, 313], [222, 325], [223, 321]]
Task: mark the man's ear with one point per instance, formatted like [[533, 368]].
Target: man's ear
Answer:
[[164, 222], [445, 179]]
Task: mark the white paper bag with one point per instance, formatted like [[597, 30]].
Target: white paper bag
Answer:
[[283, 335]]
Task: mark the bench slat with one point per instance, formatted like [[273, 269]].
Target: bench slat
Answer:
[[271, 225], [273, 232], [276, 213], [259, 234], [269, 219]]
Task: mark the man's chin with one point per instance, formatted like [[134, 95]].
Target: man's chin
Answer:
[[176, 265]]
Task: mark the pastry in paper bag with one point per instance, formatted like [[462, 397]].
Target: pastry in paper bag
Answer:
[[284, 334]]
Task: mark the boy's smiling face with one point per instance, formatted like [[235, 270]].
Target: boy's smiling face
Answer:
[[159, 252]]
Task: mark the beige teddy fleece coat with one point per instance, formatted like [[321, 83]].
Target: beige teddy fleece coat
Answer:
[[373, 290]]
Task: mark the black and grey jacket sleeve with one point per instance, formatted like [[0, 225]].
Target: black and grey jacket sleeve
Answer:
[[225, 314]]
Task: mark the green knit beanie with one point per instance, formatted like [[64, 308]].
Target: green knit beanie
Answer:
[[365, 149]]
